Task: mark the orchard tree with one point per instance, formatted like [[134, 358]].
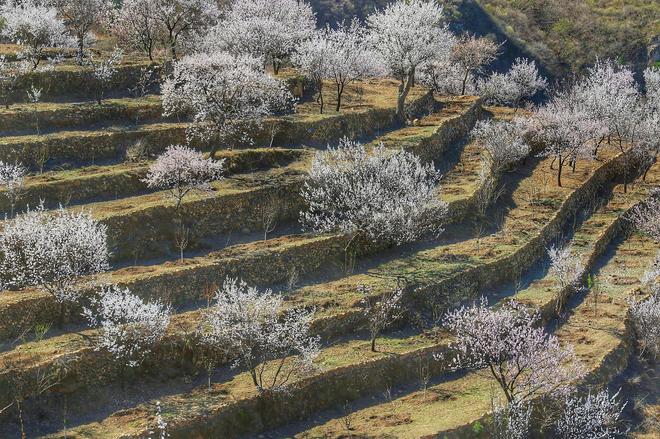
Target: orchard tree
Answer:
[[380, 195], [103, 72], [178, 19], [381, 311], [522, 81], [136, 28], [511, 420], [80, 16], [227, 96], [595, 416], [568, 270], [472, 54], [266, 29], [181, 170], [524, 360], [503, 143], [565, 128], [645, 217], [446, 78], [12, 179], [34, 26], [313, 58], [408, 34], [652, 85], [52, 250], [252, 327], [130, 327], [351, 59]]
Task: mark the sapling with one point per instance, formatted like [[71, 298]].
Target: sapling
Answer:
[[522, 357], [252, 327], [12, 179], [180, 171], [103, 72], [382, 311]]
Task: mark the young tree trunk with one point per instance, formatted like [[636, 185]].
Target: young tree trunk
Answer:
[[373, 341], [561, 165], [465, 78], [172, 46], [276, 67], [319, 99], [404, 89], [340, 91]]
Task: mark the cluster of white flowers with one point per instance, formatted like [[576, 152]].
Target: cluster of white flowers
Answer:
[[34, 26], [524, 359], [511, 420], [129, 327], [520, 82], [12, 179], [226, 95], [383, 195], [252, 326], [266, 29], [52, 249], [645, 217], [595, 416], [181, 170], [503, 143]]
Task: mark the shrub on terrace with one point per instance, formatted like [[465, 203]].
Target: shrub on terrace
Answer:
[[595, 416], [52, 249], [381, 195], [130, 327], [512, 88]]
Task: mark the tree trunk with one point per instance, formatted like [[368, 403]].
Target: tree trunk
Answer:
[[404, 89], [465, 78], [373, 342], [276, 67], [340, 91], [172, 46], [319, 99], [561, 165]]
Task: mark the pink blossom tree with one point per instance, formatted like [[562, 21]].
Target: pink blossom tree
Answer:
[[472, 54], [524, 360], [252, 327], [567, 268], [180, 171]]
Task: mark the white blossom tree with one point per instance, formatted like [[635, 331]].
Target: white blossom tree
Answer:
[[522, 81], [652, 86], [594, 416], [446, 78], [472, 54], [80, 16], [566, 128], [103, 71], [408, 34], [179, 19], [380, 195], [129, 327], [381, 311], [524, 360], [33, 25], [227, 96], [313, 58], [181, 170], [52, 250], [12, 178], [265, 29], [351, 58], [568, 270], [645, 217], [503, 143], [135, 27], [252, 327]]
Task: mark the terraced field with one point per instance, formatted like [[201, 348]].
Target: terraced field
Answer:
[[401, 390]]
